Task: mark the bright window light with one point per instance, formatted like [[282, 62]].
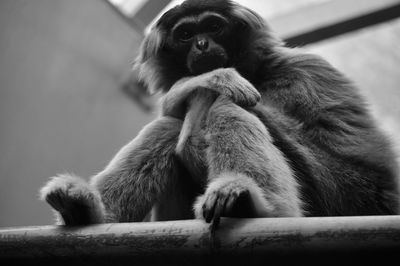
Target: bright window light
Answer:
[[128, 7]]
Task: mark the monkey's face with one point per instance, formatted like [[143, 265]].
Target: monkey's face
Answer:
[[196, 37], [199, 43]]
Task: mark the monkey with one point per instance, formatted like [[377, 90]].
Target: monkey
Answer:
[[248, 127]]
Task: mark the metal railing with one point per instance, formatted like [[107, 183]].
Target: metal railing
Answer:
[[190, 242]]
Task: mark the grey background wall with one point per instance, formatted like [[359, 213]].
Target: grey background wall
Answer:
[[61, 107], [62, 64]]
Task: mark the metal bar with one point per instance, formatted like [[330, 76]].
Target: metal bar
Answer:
[[329, 19], [237, 240]]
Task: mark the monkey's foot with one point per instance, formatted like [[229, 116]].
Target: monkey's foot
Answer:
[[74, 200], [236, 196]]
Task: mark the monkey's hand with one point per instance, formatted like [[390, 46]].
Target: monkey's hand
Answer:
[[228, 82], [231, 195], [222, 81]]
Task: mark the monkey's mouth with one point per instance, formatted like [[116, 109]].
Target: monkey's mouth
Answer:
[[206, 62]]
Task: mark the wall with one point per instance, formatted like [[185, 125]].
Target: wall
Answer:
[[61, 107]]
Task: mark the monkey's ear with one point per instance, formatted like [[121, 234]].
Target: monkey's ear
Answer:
[[248, 17], [146, 64]]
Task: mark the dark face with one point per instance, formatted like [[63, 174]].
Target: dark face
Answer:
[[200, 43]]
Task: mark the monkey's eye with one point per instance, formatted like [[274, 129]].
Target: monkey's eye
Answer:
[[215, 27], [184, 35], [213, 24]]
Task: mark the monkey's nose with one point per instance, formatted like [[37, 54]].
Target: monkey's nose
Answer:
[[202, 44]]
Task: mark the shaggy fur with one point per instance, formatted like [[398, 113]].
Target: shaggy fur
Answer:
[[278, 133]]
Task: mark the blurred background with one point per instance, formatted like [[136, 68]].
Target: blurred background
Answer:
[[68, 99]]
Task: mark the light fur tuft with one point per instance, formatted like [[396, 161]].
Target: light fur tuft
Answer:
[[146, 63]]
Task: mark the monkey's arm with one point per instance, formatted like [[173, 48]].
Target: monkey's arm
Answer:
[[141, 171], [128, 187], [223, 81], [248, 175]]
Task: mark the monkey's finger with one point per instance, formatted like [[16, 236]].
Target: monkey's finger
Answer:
[[248, 97], [230, 203], [219, 209], [209, 207]]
